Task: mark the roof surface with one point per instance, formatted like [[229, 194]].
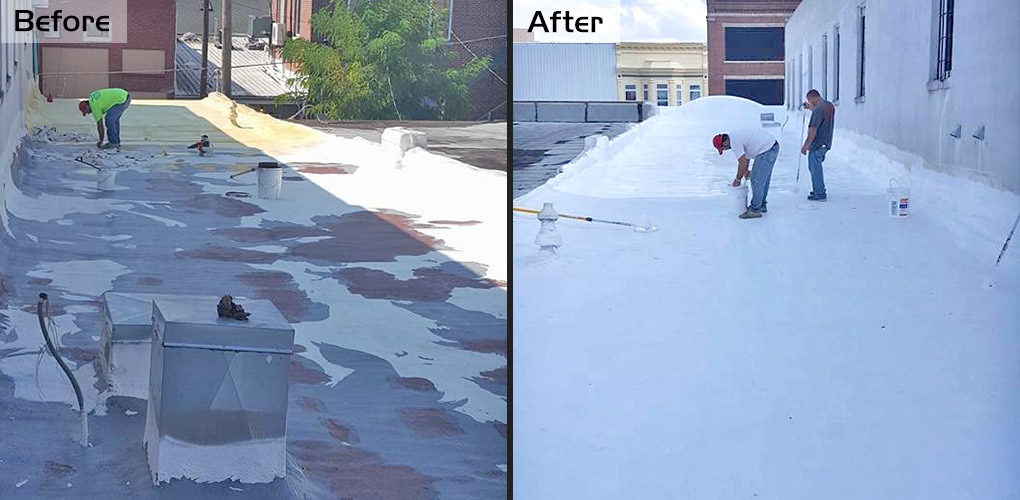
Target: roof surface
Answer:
[[393, 280]]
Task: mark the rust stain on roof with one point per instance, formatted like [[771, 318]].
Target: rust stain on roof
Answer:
[[339, 431], [280, 288], [493, 346], [355, 473], [301, 374], [311, 404], [229, 254], [415, 383], [430, 284], [430, 421]]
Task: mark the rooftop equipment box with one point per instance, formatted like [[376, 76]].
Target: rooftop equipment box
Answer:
[[126, 342], [217, 392]]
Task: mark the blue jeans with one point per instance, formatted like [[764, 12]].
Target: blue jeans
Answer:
[[815, 157], [112, 119], [761, 174]]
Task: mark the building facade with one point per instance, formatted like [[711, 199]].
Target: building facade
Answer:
[[745, 48], [564, 72], [144, 65], [668, 74], [942, 86]]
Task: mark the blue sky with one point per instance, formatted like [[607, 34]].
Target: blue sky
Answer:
[[633, 20]]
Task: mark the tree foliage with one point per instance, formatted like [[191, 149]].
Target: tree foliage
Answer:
[[384, 59]]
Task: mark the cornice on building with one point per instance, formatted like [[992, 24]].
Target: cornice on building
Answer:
[[662, 47]]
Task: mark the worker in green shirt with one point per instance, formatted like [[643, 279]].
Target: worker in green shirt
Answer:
[[108, 103]]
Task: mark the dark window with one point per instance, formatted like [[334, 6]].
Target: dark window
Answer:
[[645, 88], [754, 44], [695, 91], [945, 57], [810, 67], [630, 92], [825, 65], [662, 94], [767, 92], [835, 65], [860, 57]]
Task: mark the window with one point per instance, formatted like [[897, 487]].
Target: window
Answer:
[[645, 88], [800, 81], [767, 92], [754, 44], [810, 67], [679, 94], [695, 91], [825, 65], [860, 55], [662, 94], [630, 92], [54, 31], [944, 63], [835, 65], [143, 61], [93, 34], [297, 18]]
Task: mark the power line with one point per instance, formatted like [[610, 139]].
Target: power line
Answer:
[[479, 39], [476, 57]]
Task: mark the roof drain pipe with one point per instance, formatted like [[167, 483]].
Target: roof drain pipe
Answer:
[[42, 309]]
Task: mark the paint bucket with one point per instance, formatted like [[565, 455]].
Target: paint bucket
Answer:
[[898, 203], [737, 198], [105, 180], [270, 179]]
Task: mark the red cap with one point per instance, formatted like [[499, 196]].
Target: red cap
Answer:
[[83, 106], [717, 142]]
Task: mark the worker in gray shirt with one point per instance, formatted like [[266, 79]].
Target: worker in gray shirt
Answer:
[[819, 141]]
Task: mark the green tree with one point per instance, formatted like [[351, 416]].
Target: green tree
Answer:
[[384, 59]]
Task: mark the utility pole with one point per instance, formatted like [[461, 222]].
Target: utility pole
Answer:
[[206, 7], [227, 42]]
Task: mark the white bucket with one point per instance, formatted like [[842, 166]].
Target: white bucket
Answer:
[[270, 180], [105, 180], [737, 198], [898, 204]]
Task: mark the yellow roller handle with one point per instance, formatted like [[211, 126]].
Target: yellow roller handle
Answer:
[[578, 217]]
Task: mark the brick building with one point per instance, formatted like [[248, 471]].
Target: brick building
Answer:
[[478, 27], [473, 27], [746, 48], [143, 65]]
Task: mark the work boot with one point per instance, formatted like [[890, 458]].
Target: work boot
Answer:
[[812, 197], [750, 214]]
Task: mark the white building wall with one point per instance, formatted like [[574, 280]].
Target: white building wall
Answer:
[[564, 72], [902, 106], [15, 60]]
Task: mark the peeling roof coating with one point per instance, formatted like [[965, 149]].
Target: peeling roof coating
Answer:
[[390, 398]]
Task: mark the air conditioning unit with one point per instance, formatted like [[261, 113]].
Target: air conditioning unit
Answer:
[[278, 35], [260, 26]]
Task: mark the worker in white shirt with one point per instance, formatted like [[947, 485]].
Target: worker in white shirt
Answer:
[[748, 144]]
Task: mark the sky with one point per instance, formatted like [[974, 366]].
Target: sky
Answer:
[[624, 20]]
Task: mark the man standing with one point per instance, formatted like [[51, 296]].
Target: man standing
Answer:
[[108, 103], [747, 144], [819, 141]]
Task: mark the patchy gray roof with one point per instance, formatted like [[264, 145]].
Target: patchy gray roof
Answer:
[[255, 74]]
